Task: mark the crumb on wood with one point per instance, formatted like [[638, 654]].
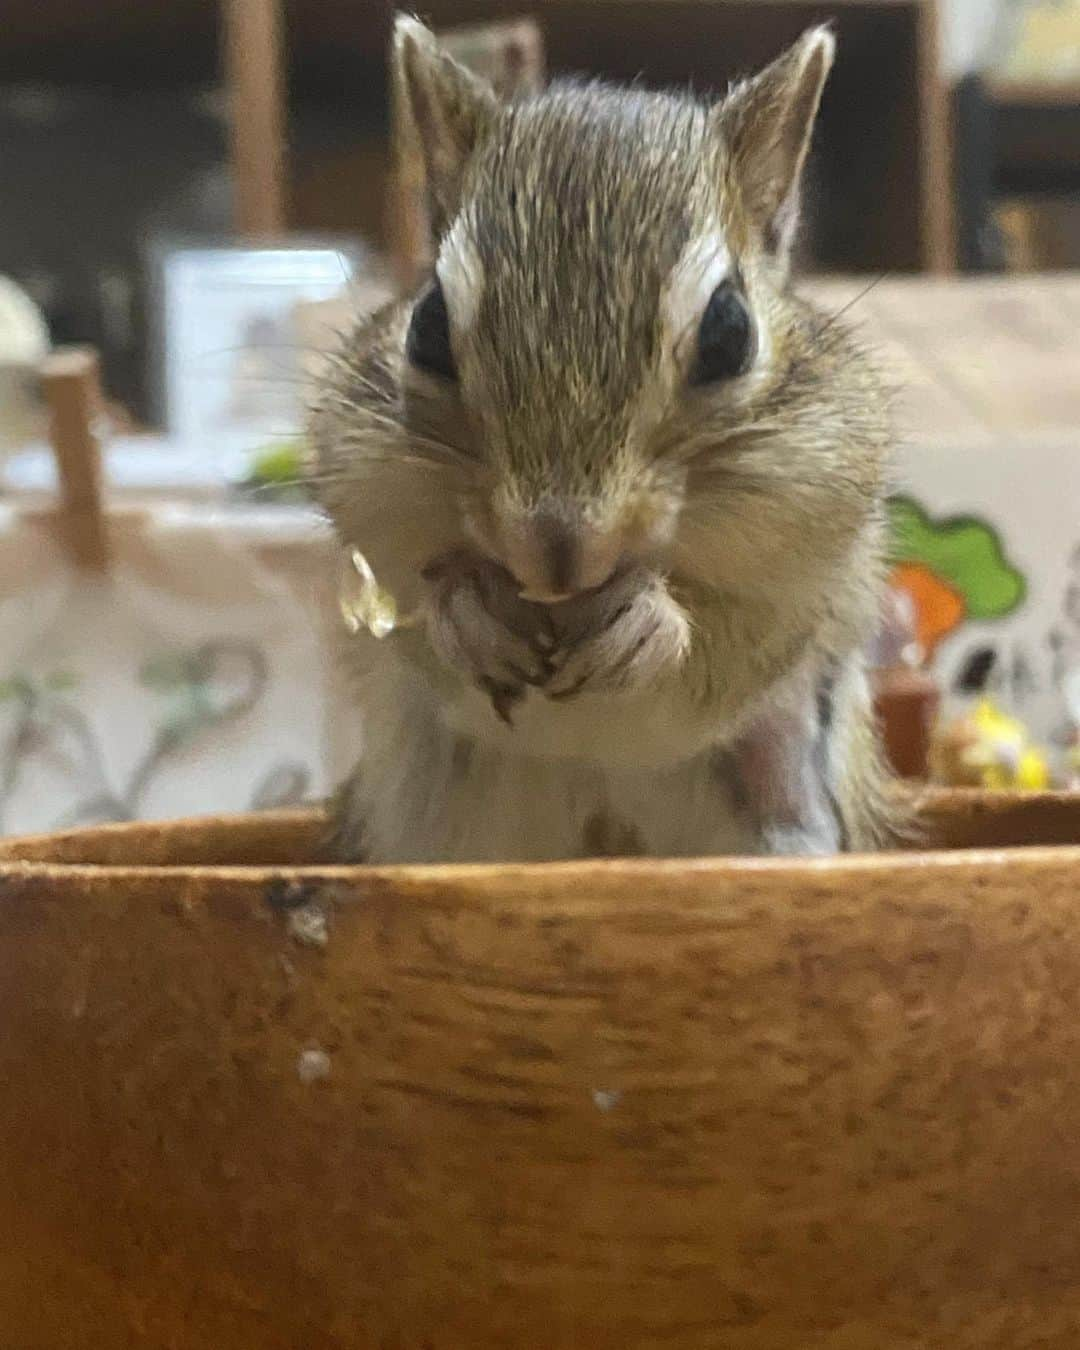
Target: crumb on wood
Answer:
[[308, 926], [313, 1065]]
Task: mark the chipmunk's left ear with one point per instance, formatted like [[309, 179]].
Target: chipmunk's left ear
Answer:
[[444, 108], [766, 124]]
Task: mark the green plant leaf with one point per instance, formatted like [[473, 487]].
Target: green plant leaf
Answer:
[[963, 551], [279, 463]]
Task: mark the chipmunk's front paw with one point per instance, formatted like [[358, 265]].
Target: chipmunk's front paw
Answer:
[[626, 635], [478, 624]]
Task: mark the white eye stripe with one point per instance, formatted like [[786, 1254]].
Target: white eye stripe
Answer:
[[703, 266], [459, 269]]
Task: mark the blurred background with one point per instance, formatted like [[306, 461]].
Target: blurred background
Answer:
[[198, 196]]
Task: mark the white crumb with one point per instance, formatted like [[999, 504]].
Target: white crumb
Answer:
[[308, 926], [313, 1065]]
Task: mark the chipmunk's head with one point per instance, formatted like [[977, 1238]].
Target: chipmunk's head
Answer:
[[607, 321]]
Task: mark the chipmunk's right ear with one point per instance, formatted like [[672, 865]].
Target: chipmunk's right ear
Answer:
[[443, 108]]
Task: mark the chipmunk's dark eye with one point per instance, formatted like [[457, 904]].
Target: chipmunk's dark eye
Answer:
[[726, 342], [428, 342]]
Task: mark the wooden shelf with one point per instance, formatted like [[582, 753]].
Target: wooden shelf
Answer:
[[1015, 139], [884, 144], [1037, 140], [333, 48], [1032, 94]]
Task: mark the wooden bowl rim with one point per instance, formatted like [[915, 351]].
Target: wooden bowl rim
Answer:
[[605, 875]]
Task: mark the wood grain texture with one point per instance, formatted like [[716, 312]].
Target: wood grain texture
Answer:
[[756, 1103]]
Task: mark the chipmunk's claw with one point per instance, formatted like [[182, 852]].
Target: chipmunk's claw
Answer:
[[503, 698]]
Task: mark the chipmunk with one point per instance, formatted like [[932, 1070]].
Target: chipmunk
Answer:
[[632, 482]]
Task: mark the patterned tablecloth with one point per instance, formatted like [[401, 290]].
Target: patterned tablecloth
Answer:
[[190, 679]]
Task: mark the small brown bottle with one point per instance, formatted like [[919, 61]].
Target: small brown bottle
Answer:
[[906, 695]]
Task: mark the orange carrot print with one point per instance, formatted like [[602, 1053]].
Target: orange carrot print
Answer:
[[938, 607]]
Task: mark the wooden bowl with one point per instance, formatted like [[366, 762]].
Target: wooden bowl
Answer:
[[252, 1104]]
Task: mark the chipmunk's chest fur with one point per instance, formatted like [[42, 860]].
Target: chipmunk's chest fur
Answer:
[[625, 732], [444, 779]]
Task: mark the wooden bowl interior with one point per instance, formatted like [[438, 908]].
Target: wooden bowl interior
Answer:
[[749, 1103]]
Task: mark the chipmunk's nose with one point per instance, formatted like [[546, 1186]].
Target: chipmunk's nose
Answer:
[[555, 555]]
